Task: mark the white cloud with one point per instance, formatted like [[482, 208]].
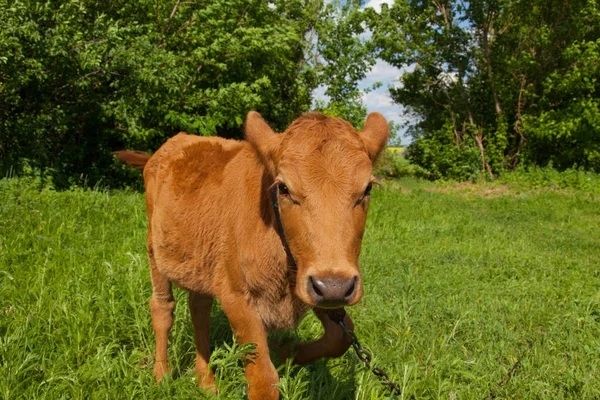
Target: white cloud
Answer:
[[382, 102], [319, 94], [377, 99], [448, 78], [381, 72], [376, 4]]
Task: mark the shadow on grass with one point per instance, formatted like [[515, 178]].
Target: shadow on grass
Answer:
[[324, 385], [317, 376], [220, 332]]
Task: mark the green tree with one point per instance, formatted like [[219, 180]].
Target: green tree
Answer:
[[81, 78], [512, 81]]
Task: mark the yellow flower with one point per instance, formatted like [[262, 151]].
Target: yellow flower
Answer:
[[395, 149]]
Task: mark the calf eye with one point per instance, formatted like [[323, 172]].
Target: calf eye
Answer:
[[368, 189], [283, 190]]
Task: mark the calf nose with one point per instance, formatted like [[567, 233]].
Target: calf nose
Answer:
[[333, 291]]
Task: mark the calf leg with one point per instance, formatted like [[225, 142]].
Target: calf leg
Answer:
[[200, 307], [247, 327], [331, 344], [162, 305]]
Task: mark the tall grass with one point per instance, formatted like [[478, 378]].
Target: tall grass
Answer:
[[465, 297]]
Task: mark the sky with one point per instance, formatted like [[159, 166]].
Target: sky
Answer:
[[378, 100]]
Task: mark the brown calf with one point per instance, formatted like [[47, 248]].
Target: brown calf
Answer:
[[271, 227]]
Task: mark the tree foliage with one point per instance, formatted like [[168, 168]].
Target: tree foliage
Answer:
[[343, 57], [496, 83], [81, 78]]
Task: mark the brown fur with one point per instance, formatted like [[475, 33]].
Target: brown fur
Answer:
[[212, 230]]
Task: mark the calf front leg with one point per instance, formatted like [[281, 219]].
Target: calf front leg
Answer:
[[331, 344], [247, 327]]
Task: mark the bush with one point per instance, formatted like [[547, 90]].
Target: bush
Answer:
[[548, 177], [394, 165], [439, 157], [82, 78]]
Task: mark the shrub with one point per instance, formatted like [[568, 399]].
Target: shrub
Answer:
[[394, 165]]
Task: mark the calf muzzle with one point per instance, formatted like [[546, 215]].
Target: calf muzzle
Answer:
[[332, 292]]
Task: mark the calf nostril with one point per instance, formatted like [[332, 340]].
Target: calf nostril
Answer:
[[317, 286], [332, 290], [351, 289]]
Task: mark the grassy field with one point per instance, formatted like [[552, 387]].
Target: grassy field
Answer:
[[470, 292]]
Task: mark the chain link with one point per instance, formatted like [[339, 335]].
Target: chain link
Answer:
[[365, 356]]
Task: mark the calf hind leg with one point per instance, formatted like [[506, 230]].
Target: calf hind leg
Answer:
[[200, 307], [162, 305]]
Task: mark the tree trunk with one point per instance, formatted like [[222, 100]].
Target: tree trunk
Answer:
[[521, 138], [485, 46], [479, 140]]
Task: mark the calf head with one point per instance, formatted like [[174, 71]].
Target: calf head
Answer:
[[322, 174]]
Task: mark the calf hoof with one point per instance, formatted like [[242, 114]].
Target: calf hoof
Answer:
[[160, 369], [207, 382], [209, 389]]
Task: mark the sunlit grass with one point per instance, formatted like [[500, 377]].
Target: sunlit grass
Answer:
[[458, 288]]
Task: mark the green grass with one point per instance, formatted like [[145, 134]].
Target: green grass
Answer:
[[458, 287]]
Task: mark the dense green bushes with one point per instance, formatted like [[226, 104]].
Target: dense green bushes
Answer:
[[82, 78]]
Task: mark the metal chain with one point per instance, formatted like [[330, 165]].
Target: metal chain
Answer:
[[365, 356]]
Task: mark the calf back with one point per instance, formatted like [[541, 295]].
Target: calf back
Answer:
[[211, 225]]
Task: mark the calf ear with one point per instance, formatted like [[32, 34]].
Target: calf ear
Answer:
[[375, 134], [262, 137]]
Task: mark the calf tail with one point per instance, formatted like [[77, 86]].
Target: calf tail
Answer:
[[134, 159]]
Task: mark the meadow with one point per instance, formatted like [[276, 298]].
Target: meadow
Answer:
[[471, 292]]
